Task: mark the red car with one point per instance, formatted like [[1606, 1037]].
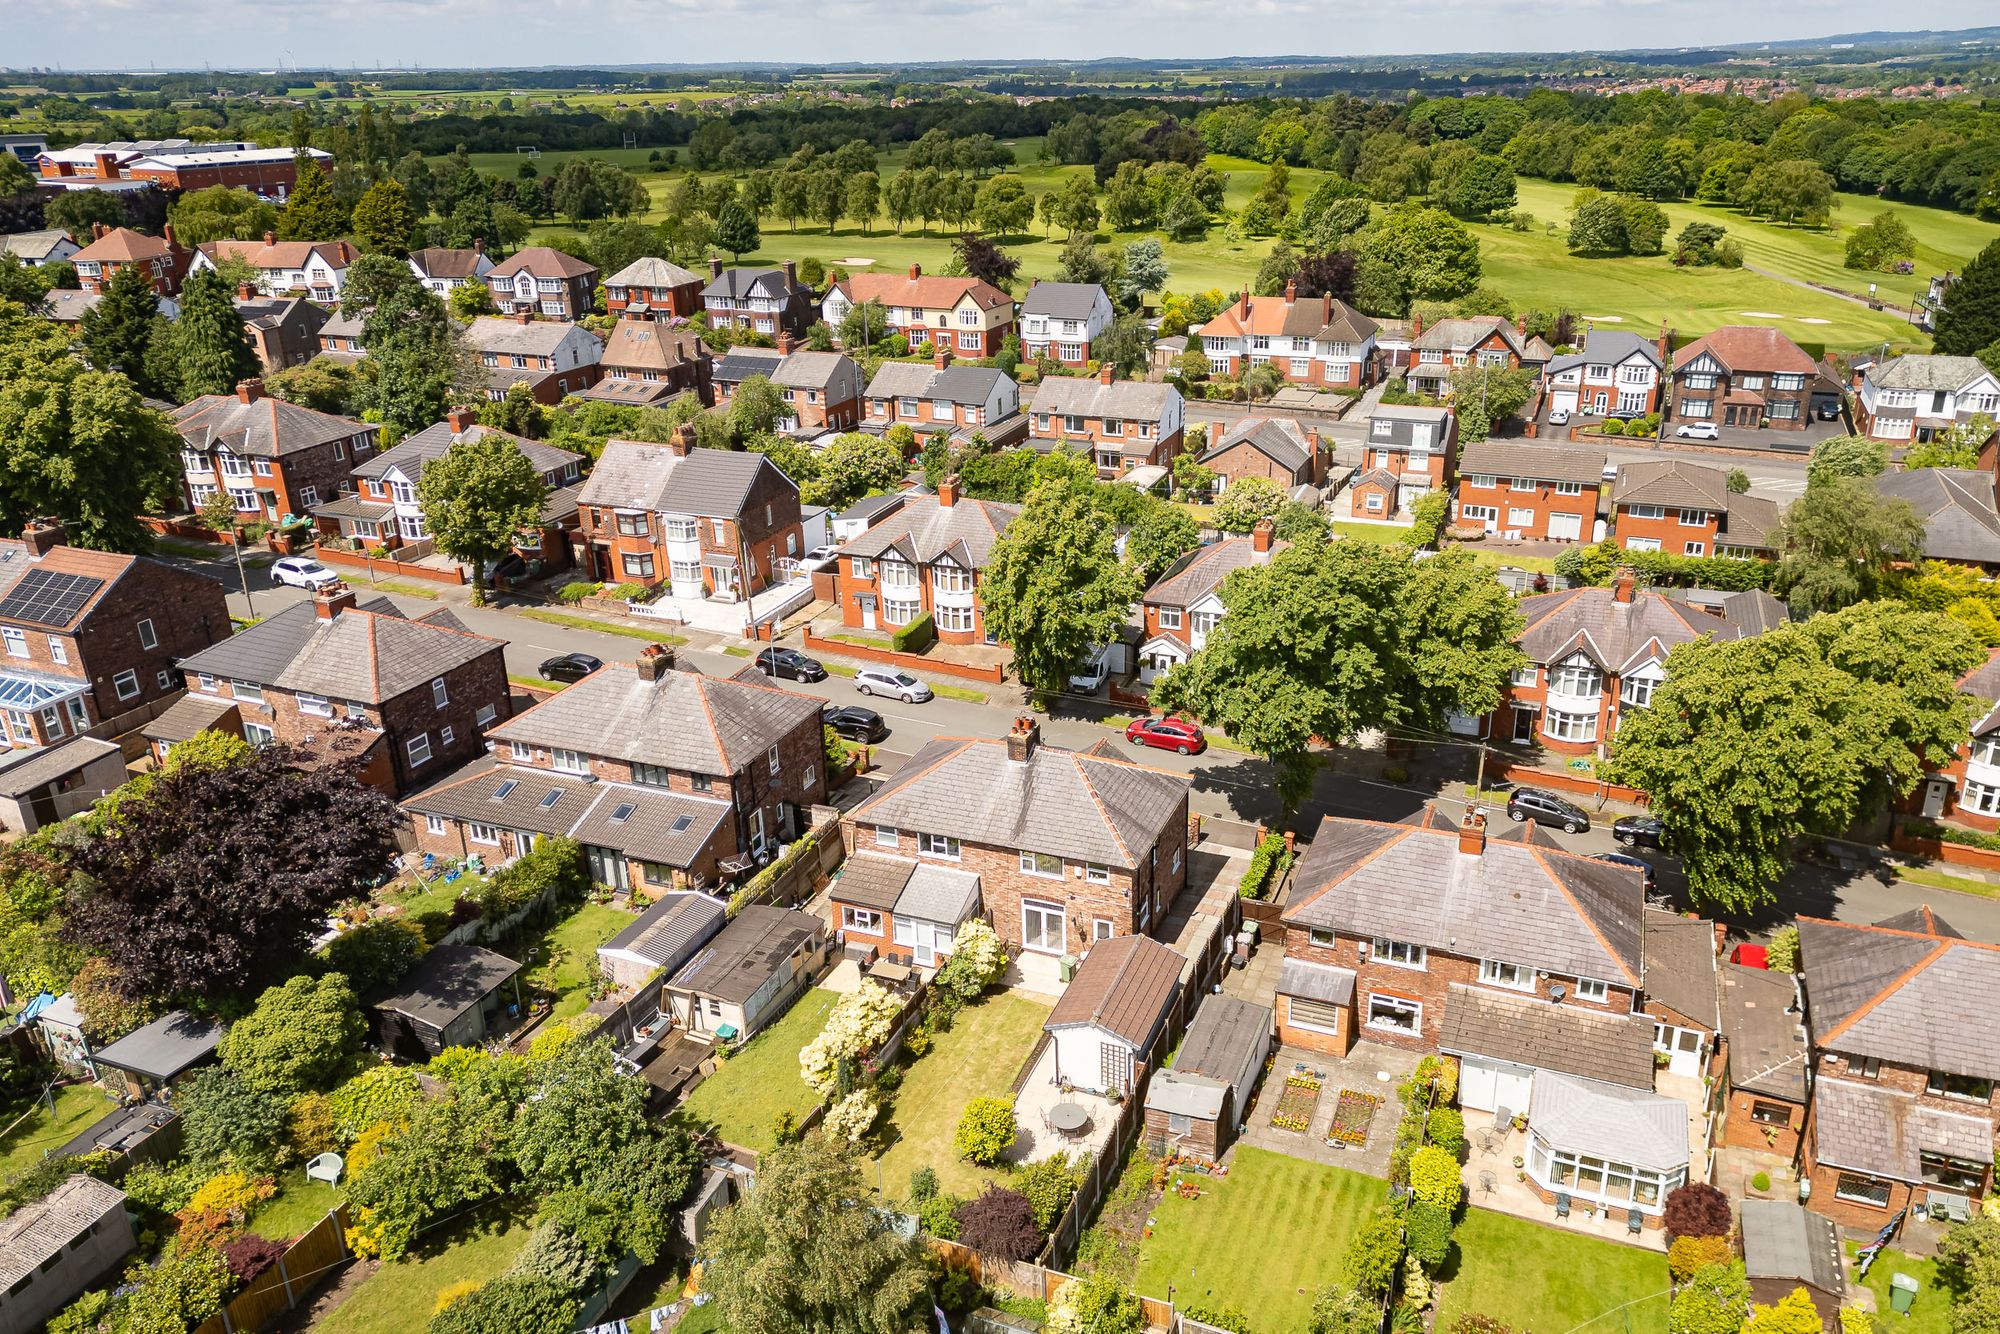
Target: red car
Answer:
[[1175, 734]]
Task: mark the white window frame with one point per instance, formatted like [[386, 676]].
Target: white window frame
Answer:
[[1593, 989], [1047, 915], [1398, 953], [1396, 1005], [1498, 972], [1038, 864], [148, 636], [860, 919], [418, 750], [126, 684], [886, 837], [942, 846]]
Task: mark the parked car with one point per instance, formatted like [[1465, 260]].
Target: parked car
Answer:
[[854, 722], [1559, 417], [1638, 831], [1090, 675], [1698, 431], [790, 664], [569, 667], [1176, 734], [1610, 473], [301, 572], [818, 558], [889, 681], [1531, 803], [1639, 864]]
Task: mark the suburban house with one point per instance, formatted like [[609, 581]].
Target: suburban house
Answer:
[[1113, 1013], [317, 269], [765, 301], [284, 330], [50, 245], [1786, 1247], [1479, 340], [1967, 791], [647, 363], [1961, 522], [541, 281], [1532, 491], [1905, 1063], [1764, 1037], [662, 938], [1316, 341], [1185, 603], [115, 248], [1277, 449], [653, 289], [1594, 652], [669, 778], [1196, 1106], [341, 337], [55, 1249], [705, 523], [941, 396], [337, 677], [43, 785], [1062, 320], [924, 557], [748, 974], [443, 269], [87, 637], [1120, 424], [454, 996], [970, 316], [1410, 450], [1912, 398], [1744, 375], [821, 390], [1070, 847], [901, 909], [1687, 509], [554, 359], [1615, 372], [274, 458]]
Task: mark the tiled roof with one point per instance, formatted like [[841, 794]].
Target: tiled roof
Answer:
[[709, 483], [1752, 611], [539, 801], [1611, 633], [540, 338], [938, 894], [648, 346], [1124, 986], [1923, 370], [543, 263], [1766, 1041], [445, 262], [436, 440], [371, 654], [1279, 439], [1752, 521], [923, 292], [121, 245], [739, 283], [1203, 570], [1062, 301], [740, 363], [38, 1231], [1078, 807], [190, 715], [1567, 1039], [1548, 463], [1583, 1116], [1679, 957], [1302, 317], [107, 567], [1459, 335], [651, 824], [831, 371], [650, 271], [1961, 522], [1129, 400], [924, 529], [44, 764], [282, 254], [1746, 347], [920, 379], [264, 428], [1878, 1130], [1673, 483], [1608, 347], [1347, 325], [1918, 998], [740, 960], [871, 880]]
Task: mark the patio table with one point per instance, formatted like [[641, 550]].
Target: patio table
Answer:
[[1068, 1118]]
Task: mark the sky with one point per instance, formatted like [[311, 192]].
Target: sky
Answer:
[[374, 34]]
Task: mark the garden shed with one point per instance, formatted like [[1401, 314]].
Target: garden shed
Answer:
[[1113, 1012], [155, 1057], [1785, 1246], [1198, 1105], [665, 936], [454, 997]]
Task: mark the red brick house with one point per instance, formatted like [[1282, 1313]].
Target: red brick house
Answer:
[[1185, 604], [284, 330], [115, 248], [553, 358], [273, 458], [970, 316], [1686, 509], [938, 396], [89, 636], [1409, 451], [653, 289], [647, 363], [1480, 340], [925, 557], [1769, 1060], [1616, 371], [901, 908], [1120, 425], [670, 779], [423, 691], [822, 390], [1744, 375], [541, 281], [1312, 340], [1277, 449], [1532, 491]]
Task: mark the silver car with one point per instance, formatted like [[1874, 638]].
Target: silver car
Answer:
[[891, 681]]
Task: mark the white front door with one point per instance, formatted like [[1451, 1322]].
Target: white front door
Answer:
[[1684, 1048], [1486, 1085], [866, 602]]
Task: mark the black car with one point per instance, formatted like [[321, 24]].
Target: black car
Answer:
[[854, 722], [1531, 803], [570, 667], [1638, 831], [790, 664], [1643, 867]]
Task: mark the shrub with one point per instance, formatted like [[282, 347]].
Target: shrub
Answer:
[[1783, 954], [554, 868], [1611, 427], [1697, 1210], [452, 1292], [227, 1123], [986, 1130], [917, 1042], [312, 1128], [978, 958], [571, 594], [377, 952], [1371, 1258], [857, 1025], [250, 1255], [1000, 1222], [1049, 1185], [379, 1093], [1472, 1322], [1760, 1182], [1096, 1304], [1268, 864], [1688, 1255], [1446, 1126], [630, 592], [300, 1036], [923, 1184], [915, 637], [785, 1127], [555, 1255], [1427, 1232], [1218, 1317], [1853, 1320], [85, 1315], [508, 1305], [938, 1216], [849, 1119], [1434, 1177]]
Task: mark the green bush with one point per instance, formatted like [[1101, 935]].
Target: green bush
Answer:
[[571, 594], [1218, 1317], [1611, 427], [631, 592], [1434, 1177], [915, 637], [1760, 1181], [555, 867], [1373, 1255], [939, 1216], [1783, 955], [923, 1184], [1968, 838], [1427, 1230], [1268, 864], [377, 952], [986, 1130], [1049, 1185], [1446, 1126]]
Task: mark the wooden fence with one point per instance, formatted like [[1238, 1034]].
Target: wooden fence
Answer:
[[1025, 1278], [306, 1263], [804, 871]]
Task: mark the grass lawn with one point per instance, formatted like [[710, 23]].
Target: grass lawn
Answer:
[[78, 1106], [1544, 1281], [978, 1058], [399, 1296], [1924, 875], [1229, 1248], [403, 588], [298, 1205], [560, 959], [604, 627], [1382, 534], [744, 1097], [1929, 1314], [535, 682], [429, 905]]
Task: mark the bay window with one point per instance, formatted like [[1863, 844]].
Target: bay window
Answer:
[[1577, 677]]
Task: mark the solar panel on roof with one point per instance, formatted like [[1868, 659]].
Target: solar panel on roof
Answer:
[[48, 597]]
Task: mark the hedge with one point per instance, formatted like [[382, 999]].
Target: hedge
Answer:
[[1268, 864], [915, 637], [1917, 827], [1595, 564]]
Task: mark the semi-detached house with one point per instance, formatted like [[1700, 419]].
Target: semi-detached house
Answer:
[[1534, 492], [444, 269], [272, 457], [1687, 509], [1410, 451], [1915, 397], [970, 316], [1473, 341], [648, 363], [1277, 449], [316, 268], [1313, 340], [925, 556], [1118, 424], [1615, 372], [939, 396], [1063, 320], [1184, 605], [554, 359], [821, 390]]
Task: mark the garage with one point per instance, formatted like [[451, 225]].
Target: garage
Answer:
[[1566, 527], [1486, 1085], [1563, 400]]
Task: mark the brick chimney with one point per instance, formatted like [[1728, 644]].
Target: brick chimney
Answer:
[[1416, 326], [714, 267], [461, 420], [655, 661], [1666, 346], [940, 356], [1243, 303], [682, 441], [331, 599], [270, 238], [1624, 583], [1260, 540], [478, 245], [1022, 740], [1326, 308], [1472, 833], [784, 344], [1291, 291], [916, 272], [1521, 324], [43, 536], [249, 391], [791, 268], [246, 291], [1106, 372], [97, 231], [947, 492], [167, 235]]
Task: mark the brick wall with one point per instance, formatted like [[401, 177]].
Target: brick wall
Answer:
[[1741, 1129], [1241, 461], [1315, 1039], [1672, 535], [188, 613], [1542, 501]]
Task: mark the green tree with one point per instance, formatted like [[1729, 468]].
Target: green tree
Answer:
[[384, 220], [311, 211], [1184, 218], [1804, 730], [78, 211], [212, 351], [1880, 242], [15, 177], [736, 231], [228, 1124], [1484, 186], [1796, 191], [1054, 587], [1645, 226], [1485, 396], [1597, 227], [1846, 456], [412, 342], [854, 465], [468, 301], [1839, 541], [478, 499], [23, 284], [1004, 206], [1969, 324], [1414, 253], [864, 198], [514, 1303], [300, 1037], [1342, 1310], [119, 329], [1954, 448], [1969, 1268], [1127, 344], [756, 408], [1144, 270], [1246, 501], [201, 216], [807, 1251], [1074, 207], [1712, 1302], [864, 325]]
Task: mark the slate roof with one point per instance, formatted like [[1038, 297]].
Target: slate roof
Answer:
[[1458, 335], [1608, 347], [1878, 1130], [1079, 807], [1767, 1045], [1917, 998], [1124, 986], [1746, 347], [32, 246], [831, 371], [535, 338], [870, 880], [1752, 611], [1194, 576], [473, 792], [543, 262], [1923, 370], [668, 828], [448, 981], [1783, 1240], [687, 721], [1584, 1116], [1347, 325], [1554, 911], [1673, 483], [163, 1048], [668, 932], [651, 271], [38, 1231], [925, 528], [740, 283], [265, 428], [1525, 831], [1316, 981], [446, 262], [45, 764], [744, 955], [267, 648], [1548, 463], [1279, 439], [1678, 954], [436, 440], [371, 654], [1613, 634], [1129, 400], [1566, 1039], [1961, 522], [708, 483], [649, 346], [1062, 301]]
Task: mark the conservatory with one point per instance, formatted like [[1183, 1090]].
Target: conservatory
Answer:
[[1604, 1144]]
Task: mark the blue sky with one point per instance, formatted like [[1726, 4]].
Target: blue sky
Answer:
[[187, 34]]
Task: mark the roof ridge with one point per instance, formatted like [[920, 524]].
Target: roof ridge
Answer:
[[708, 715], [1636, 979], [1869, 1005], [1090, 789], [899, 781], [1880, 930]]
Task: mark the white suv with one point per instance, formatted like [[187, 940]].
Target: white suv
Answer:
[[890, 681], [301, 572]]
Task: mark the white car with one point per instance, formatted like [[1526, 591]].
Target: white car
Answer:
[[889, 681], [818, 558], [1090, 674], [1698, 431], [1559, 417], [302, 572]]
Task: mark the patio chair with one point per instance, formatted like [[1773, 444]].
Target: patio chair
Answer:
[[1634, 1221], [1486, 1182], [1562, 1204], [1503, 1121]]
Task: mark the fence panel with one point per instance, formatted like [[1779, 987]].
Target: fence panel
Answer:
[[306, 1263]]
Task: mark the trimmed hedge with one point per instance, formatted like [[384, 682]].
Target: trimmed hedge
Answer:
[[1267, 867], [1917, 827], [915, 637], [1595, 564]]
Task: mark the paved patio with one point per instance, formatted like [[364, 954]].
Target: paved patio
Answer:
[[1037, 1139], [1493, 1182], [1368, 1069]]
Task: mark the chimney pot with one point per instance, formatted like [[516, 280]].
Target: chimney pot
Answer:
[[947, 492], [1291, 291], [246, 291], [1472, 833], [655, 661], [714, 267], [1260, 538], [329, 600], [270, 238], [43, 536], [785, 344], [1106, 372], [1624, 584], [682, 441], [249, 391], [97, 230], [478, 245], [916, 272], [1021, 741]]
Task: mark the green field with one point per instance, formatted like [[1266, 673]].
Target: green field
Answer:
[[36, 1134], [1542, 1280], [398, 1297], [567, 950]]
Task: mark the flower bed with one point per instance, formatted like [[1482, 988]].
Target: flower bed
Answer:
[[1351, 1117], [1296, 1102]]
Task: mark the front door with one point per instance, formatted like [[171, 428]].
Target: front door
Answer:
[[1683, 1047], [1524, 726], [865, 602]]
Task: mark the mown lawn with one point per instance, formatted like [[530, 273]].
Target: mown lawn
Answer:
[[1263, 1239], [743, 1098], [560, 960], [1929, 1314], [298, 1205], [399, 1296], [78, 1106], [1541, 1280]]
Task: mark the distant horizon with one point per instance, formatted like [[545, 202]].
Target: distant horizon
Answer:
[[367, 36]]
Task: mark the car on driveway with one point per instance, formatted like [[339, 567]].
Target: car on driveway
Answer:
[[818, 558], [1698, 431], [569, 668], [1090, 674], [1532, 803], [1176, 734], [854, 723], [889, 681], [1559, 417], [301, 572], [790, 664], [1638, 831]]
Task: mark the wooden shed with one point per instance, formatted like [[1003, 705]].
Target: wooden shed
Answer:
[[1198, 1105], [454, 997]]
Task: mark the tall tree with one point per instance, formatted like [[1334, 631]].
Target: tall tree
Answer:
[[119, 329], [1807, 729], [1004, 207], [221, 211], [864, 198], [1970, 320], [412, 343], [736, 231], [1839, 541], [1485, 396], [384, 220], [212, 351], [1415, 254], [986, 260], [1054, 588], [478, 499], [311, 213], [1144, 270]]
